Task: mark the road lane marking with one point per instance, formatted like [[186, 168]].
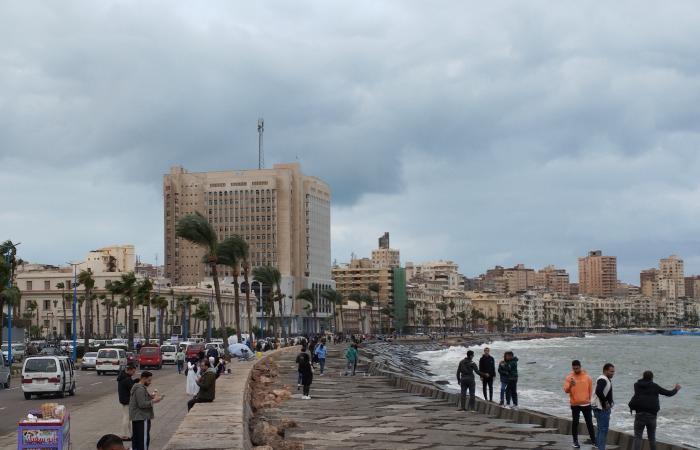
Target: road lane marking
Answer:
[[92, 384]]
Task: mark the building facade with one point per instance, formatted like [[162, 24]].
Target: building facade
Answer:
[[597, 274]]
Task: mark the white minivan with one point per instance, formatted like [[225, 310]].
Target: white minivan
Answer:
[[110, 360], [168, 352], [48, 375]]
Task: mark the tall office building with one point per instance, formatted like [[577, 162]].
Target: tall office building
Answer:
[[597, 274], [283, 214]]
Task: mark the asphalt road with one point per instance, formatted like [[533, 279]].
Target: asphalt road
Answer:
[[89, 388]]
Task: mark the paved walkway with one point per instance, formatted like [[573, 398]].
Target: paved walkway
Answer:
[[368, 412]]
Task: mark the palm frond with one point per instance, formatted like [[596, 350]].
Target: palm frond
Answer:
[[197, 229]]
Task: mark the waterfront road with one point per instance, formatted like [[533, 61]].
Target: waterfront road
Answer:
[[95, 409]]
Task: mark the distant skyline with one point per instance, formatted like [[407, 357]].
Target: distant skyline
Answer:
[[487, 134]]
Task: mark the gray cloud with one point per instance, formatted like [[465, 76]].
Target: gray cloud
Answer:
[[490, 134]]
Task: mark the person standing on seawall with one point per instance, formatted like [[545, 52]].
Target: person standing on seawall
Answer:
[[602, 403], [487, 366], [465, 377], [503, 372], [511, 362], [646, 404], [579, 386]]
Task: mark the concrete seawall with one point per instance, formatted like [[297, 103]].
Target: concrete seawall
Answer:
[[382, 367]]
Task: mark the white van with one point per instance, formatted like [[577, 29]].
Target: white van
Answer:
[[48, 375], [110, 360], [168, 353]]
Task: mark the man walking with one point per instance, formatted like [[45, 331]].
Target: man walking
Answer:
[[579, 386], [465, 377], [320, 352], [646, 404], [487, 366], [206, 383], [124, 384], [351, 357], [602, 403], [141, 411], [180, 360]]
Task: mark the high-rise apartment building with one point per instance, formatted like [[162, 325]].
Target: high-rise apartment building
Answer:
[[648, 282], [692, 287], [283, 214], [552, 279], [384, 256], [597, 274], [671, 278]]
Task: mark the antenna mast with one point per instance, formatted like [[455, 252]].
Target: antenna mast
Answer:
[[261, 155]]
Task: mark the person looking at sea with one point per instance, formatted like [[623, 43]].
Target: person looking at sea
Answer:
[[503, 376], [508, 369], [645, 403], [579, 386], [487, 365], [465, 377], [602, 403]]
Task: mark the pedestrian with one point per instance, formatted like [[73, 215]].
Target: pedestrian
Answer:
[[579, 386], [351, 357], [180, 360], [141, 411], [503, 377], [307, 374], [465, 377], [110, 442], [124, 384], [511, 362], [645, 403], [299, 358], [191, 387], [207, 385], [487, 366], [321, 354], [602, 403]]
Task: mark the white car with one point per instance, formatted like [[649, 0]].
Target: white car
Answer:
[[167, 353], [89, 361], [17, 352], [48, 375]]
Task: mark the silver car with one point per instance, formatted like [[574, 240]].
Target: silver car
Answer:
[[89, 361]]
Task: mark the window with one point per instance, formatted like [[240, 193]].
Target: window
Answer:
[[47, 305], [29, 285], [47, 285]]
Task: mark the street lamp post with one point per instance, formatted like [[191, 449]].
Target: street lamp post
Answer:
[[9, 313], [211, 301], [74, 356]]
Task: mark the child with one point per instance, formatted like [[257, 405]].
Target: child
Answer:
[[110, 442]]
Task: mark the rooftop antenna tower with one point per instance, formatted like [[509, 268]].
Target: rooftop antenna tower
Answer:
[[261, 155]]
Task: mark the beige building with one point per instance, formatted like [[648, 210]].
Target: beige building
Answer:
[[648, 282], [445, 272], [359, 274], [671, 277], [597, 274], [551, 279], [692, 287], [384, 255], [283, 214]]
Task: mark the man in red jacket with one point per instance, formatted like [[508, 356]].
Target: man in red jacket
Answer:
[[579, 386]]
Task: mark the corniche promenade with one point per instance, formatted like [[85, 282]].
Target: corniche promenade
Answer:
[[391, 403]]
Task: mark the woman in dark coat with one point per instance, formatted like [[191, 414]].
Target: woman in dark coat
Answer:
[[307, 374]]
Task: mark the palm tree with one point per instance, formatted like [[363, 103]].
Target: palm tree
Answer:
[[128, 289], [113, 287], [463, 317], [335, 298], [201, 314], [244, 256], [62, 286], [271, 278], [161, 305], [230, 252], [144, 290], [196, 229], [30, 308], [104, 302], [373, 288], [359, 298], [86, 279], [309, 296], [442, 306]]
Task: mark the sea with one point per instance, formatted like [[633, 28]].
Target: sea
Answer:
[[543, 364]]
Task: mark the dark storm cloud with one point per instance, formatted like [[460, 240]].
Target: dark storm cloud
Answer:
[[489, 134]]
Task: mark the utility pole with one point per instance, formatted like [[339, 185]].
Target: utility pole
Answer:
[[261, 155]]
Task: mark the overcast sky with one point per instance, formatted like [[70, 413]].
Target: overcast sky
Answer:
[[483, 132]]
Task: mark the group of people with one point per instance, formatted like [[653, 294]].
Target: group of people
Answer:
[[585, 398], [137, 406], [202, 372]]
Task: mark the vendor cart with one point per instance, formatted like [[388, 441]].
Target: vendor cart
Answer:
[[44, 434]]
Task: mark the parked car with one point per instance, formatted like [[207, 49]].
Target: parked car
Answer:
[[219, 346], [48, 375], [168, 352], [110, 360], [16, 356], [192, 350], [52, 351], [89, 361], [5, 374], [149, 356]]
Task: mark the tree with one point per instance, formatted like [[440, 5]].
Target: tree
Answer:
[[113, 287], [442, 306], [462, 315], [128, 289], [9, 296], [373, 288], [230, 252], [104, 303], [30, 308], [335, 298], [86, 279], [244, 255], [62, 286], [197, 229], [309, 296], [144, 290], [161, 304], [185, 303], [271, 278], [202, 314]]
